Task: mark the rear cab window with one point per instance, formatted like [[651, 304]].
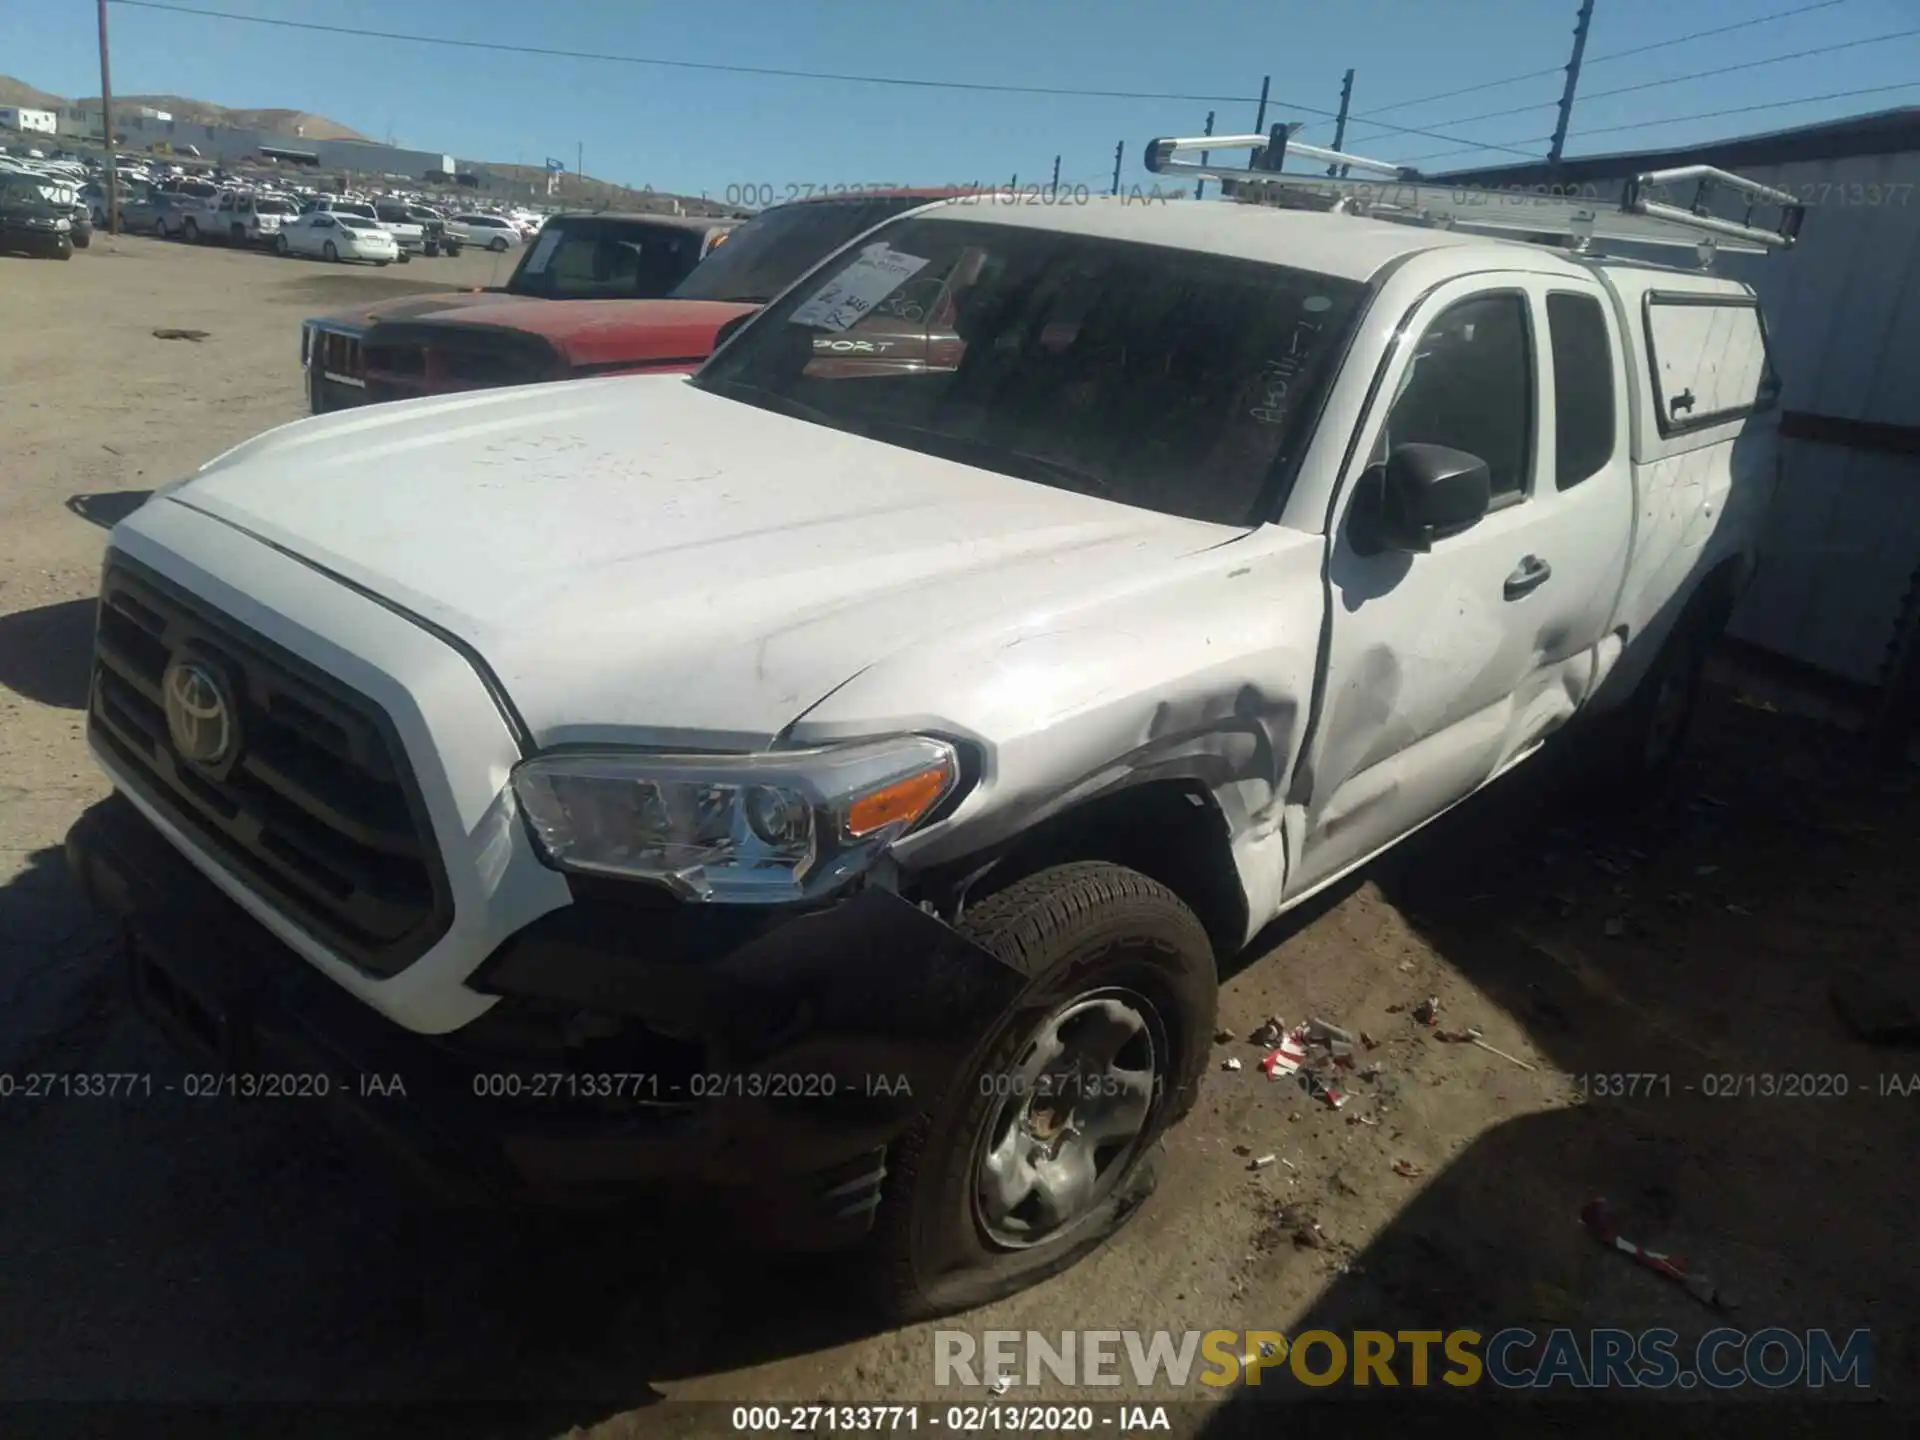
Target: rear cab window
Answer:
[[1584, 402], [1708, 360], [775, 248]]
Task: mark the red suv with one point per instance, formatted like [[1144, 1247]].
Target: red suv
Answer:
[[678, 281]]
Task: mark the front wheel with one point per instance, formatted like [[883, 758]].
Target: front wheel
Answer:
[[499, 245], [1049, 1141], [330, 252], [280, 245], [238, 234], [190, 232]]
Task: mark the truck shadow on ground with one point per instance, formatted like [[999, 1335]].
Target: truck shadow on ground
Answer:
[[46, 654], [1696, 945], [264, 1261]]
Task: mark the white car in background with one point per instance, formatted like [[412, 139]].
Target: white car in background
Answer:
[[489, 232], [334, 236]]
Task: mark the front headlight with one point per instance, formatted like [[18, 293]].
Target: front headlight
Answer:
[[766, 828]]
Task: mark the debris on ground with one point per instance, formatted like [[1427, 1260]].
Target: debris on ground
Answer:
[[1427, 1012], [1452, 1037], [1261, 1162], [1323, 1033], [1309, 1236], [167, 333], [1395, 1008], [1368, 1041], [1361, 1120], [1877, 1010], [1477, 1037], [1221, 1037], [1407, 1169], [1599, 1221], [1372, 1072], [1271, 1032], [1243, 1150], [1287, 1059], [999, 1385], [1232, 1062], [1321, 1090]]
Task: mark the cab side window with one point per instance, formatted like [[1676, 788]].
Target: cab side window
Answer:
[[1470, 387], [1583, 397]]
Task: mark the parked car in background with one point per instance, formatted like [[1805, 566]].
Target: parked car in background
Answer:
[[155, 212], [32, 224], [489, 232], [430, 344], [408, 233], [249, 218], [337, 236], [439, 239]]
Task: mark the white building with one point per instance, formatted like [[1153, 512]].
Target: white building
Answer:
[[13, 117]]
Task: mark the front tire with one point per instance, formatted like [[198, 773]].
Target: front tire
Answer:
[[281, 247], [498, 245], [331, 252], [1000, 1185], [190, 232], [238, 235]]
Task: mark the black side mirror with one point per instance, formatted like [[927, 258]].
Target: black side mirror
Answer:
[[1422, 493], [726, 331]]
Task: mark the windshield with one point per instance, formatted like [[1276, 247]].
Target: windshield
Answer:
[[1175, 381], [592, 259], [356, 222], [775, 248]]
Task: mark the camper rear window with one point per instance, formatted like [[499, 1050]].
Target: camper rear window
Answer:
[[1708, 358]]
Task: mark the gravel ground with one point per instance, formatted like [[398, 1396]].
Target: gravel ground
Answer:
[[166, 1249]]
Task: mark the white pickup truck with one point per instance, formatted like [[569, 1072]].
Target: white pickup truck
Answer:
[[832, 790]]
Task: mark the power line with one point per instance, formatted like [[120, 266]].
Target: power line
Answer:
[[713, 67], [1601, 59], [1695, 75], [1683, 119]]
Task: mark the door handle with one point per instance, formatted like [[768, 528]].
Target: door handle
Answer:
[[1529, 575]]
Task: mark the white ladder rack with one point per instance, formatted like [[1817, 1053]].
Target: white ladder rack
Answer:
[[1405, 195]]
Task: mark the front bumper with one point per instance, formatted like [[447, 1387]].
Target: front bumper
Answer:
[[767, 1060]]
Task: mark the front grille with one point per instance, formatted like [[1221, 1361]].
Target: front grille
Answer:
[[336, 357], [405, 359], [314, 807]]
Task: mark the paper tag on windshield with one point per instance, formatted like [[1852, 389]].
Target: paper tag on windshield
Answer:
[[543, 252], [851, 295]]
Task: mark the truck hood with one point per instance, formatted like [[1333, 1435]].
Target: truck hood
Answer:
[[639, 560], [592, 334], [409, 307]]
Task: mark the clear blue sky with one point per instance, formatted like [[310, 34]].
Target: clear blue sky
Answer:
[[692, 131]]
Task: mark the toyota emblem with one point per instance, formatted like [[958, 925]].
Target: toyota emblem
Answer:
[[200, 718]]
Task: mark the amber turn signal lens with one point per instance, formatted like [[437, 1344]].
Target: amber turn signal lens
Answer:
[[907, 800]]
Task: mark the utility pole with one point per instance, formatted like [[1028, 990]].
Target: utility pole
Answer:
[[1260, 124], [1118, 150], [1340, 124], [1573, 79], [1055, 189], [106, 128], [1200, 185]]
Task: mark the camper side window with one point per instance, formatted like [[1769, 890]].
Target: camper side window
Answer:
[[1708, 358]]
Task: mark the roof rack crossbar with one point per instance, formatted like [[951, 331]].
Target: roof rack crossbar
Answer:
[[1407, 196]]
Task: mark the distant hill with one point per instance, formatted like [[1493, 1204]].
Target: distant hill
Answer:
[[588, 193], [199, 112], [277, 122], [18, 92]]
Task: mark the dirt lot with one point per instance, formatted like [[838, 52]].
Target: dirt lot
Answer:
[[166, 1249]]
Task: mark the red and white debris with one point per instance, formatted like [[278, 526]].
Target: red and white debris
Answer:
[[1600, 1223]]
